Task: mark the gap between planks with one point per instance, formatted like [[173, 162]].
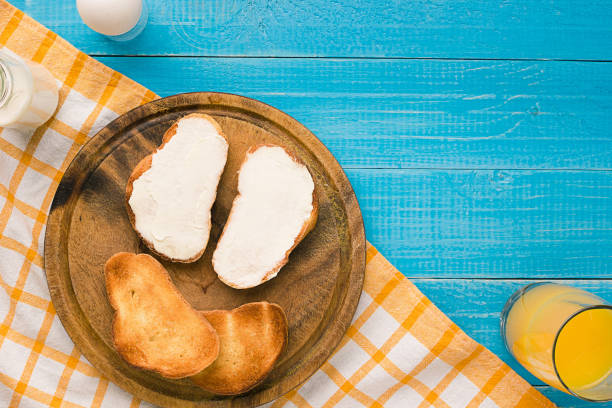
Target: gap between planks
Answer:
[[331, 57]]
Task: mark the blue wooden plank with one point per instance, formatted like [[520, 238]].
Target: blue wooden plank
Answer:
[[418, 114], [366, 28], [488, 223], [475, 306]]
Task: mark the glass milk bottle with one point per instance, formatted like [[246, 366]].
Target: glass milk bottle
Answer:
[[28, 93]]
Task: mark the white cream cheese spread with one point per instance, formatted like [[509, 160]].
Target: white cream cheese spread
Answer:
[[275, 201], [172, 200]]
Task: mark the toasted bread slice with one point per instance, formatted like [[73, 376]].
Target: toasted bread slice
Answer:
[[252, 338], [154, 327], [170, 193], [275, 208]]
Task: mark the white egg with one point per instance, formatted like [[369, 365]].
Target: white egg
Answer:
[[110, 17]]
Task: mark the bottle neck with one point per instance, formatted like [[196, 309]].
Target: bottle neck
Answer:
[[6, 83]]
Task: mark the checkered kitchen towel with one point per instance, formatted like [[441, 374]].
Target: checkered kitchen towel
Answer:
[[401, 351]]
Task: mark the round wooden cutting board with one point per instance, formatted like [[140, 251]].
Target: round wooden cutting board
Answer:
[[319, 288]]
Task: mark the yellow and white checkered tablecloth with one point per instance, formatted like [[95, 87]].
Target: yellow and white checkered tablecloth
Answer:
[[400, 351]]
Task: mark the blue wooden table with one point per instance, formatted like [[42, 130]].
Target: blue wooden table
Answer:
[[477, 135]]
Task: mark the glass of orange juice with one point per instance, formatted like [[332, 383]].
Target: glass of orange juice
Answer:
[[563, 336]]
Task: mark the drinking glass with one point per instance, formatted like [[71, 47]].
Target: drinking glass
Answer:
[[563, 336]]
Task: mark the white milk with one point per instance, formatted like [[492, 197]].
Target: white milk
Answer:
[[28, 93]]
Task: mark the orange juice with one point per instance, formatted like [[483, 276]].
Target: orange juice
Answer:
[[563, 336], [583, 353]]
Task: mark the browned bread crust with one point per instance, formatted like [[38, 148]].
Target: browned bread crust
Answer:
[[154, 327], [144, 165], [308, 225], [252, 338]]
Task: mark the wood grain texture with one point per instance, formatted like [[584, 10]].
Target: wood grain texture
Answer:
[[441, 115], [347, 28], [318, 289], [419, 114], [489, 223]]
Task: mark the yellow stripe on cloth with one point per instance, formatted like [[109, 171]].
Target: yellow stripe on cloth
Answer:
[[400, 351]]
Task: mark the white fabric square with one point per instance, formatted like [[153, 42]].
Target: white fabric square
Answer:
[[41, 240], [13, 358], [33, 188], [145, 404], [433, 373], [488, 403], [5, 303], [58, 339], [16, 138], [30, 403], [459, 392], [36, 283], [115, 397], [288, 404], [347, 402], [7, 167], [46, 374], [105, 116], [5, 392], [28, 320], [75, 110], [53, 148], [364, 301], [349, 358], [318, 389], [10, 265], [81, 388], [376, 382], [404, 397], [379, 327], [19, 227], [408, 353]]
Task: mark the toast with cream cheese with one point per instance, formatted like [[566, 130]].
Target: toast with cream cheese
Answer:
[[170, 193]]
